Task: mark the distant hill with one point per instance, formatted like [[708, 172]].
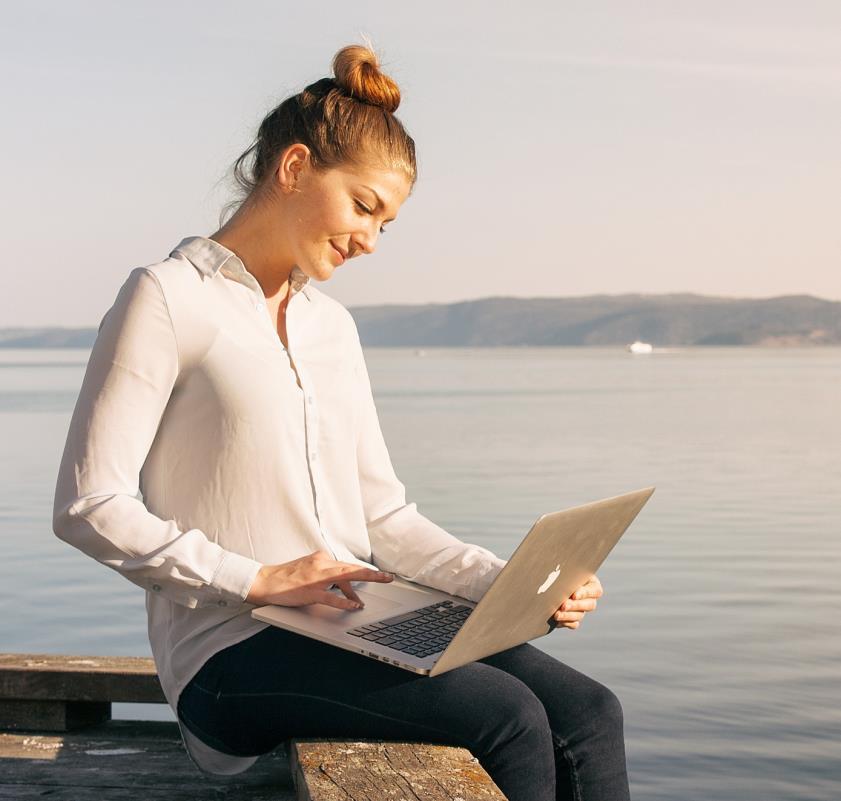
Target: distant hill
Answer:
[[663, 320], [597, 320]]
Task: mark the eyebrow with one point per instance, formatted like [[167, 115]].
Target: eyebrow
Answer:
[[380, 203]]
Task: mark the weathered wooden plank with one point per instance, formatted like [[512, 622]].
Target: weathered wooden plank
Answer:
[[368, 771], [56, 677], [18, 715], [122, 757], [90, 664]]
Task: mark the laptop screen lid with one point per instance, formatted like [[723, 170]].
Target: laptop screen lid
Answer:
[[558, 555]]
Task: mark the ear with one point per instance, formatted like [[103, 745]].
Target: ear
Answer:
[[291, 165]]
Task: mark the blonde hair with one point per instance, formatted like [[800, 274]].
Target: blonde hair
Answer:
[[346, 119]]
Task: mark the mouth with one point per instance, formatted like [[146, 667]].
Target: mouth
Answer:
[[341, 252]]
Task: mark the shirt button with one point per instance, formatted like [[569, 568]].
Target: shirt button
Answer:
[[310, 400], [258, 306], [313, 456], [223, 603], [156, 587]]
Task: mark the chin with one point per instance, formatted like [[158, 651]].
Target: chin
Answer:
[[317, 270], [323, 272]]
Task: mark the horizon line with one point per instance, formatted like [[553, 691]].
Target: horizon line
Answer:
[[659, 295]]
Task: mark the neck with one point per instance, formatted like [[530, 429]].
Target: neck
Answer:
[[252, 235]]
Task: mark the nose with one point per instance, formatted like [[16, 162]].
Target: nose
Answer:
[[365, 241]]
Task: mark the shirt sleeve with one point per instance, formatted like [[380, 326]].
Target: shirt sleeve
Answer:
[[130, 375], [403, 541]]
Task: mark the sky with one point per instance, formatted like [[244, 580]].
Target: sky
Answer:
[[565, 148]]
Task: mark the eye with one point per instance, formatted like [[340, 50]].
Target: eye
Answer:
[[366, 210]]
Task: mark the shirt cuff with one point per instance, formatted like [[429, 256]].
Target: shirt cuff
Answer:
[[233, 578], [482, 582]]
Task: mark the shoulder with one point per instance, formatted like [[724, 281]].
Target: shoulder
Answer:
[[156, 288], [140, 304], [172, 283], [168, 276], [175, 274]]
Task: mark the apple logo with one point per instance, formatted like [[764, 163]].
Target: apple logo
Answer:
[[550, 579]]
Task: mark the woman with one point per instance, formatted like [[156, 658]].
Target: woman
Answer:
[[225, 452]]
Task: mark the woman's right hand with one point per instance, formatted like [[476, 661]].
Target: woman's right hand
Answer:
[[307, 581]]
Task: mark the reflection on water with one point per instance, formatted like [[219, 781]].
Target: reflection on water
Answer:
[[719, 630]]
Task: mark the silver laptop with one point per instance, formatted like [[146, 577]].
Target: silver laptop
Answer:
[[427, 631]]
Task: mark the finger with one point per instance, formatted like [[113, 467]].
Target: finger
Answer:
[[348, 572], [346, 588], [331, 599], [568, 617], [587, 605], [592, 589]]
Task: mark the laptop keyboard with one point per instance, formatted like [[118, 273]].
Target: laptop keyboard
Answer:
[[420, 632]]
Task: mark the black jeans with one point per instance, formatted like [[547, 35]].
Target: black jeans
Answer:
[[542, 730]]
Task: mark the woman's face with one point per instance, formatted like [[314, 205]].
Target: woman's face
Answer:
[[339, 213]]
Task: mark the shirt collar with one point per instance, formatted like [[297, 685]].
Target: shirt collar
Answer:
[[210, 257]]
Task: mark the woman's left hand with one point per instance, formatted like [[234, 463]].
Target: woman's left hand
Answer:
[[583, 600]]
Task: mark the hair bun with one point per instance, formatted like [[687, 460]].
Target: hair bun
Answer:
[[357, 72]]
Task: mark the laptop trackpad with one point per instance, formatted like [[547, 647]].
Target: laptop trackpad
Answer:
[[376, 603], [376, 607]]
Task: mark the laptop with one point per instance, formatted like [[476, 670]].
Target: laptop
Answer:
[[427, 631]]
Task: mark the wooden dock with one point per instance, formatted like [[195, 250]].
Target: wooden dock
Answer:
[[143, 761], [57, 739]]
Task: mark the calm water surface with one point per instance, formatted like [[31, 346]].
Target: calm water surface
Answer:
[[719, 629]]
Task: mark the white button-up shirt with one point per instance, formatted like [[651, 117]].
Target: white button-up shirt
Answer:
[[200, 448]]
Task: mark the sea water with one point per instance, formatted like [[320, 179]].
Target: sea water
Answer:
[[719, 629]]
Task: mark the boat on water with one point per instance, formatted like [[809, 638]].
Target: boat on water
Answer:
[[640, 347]]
